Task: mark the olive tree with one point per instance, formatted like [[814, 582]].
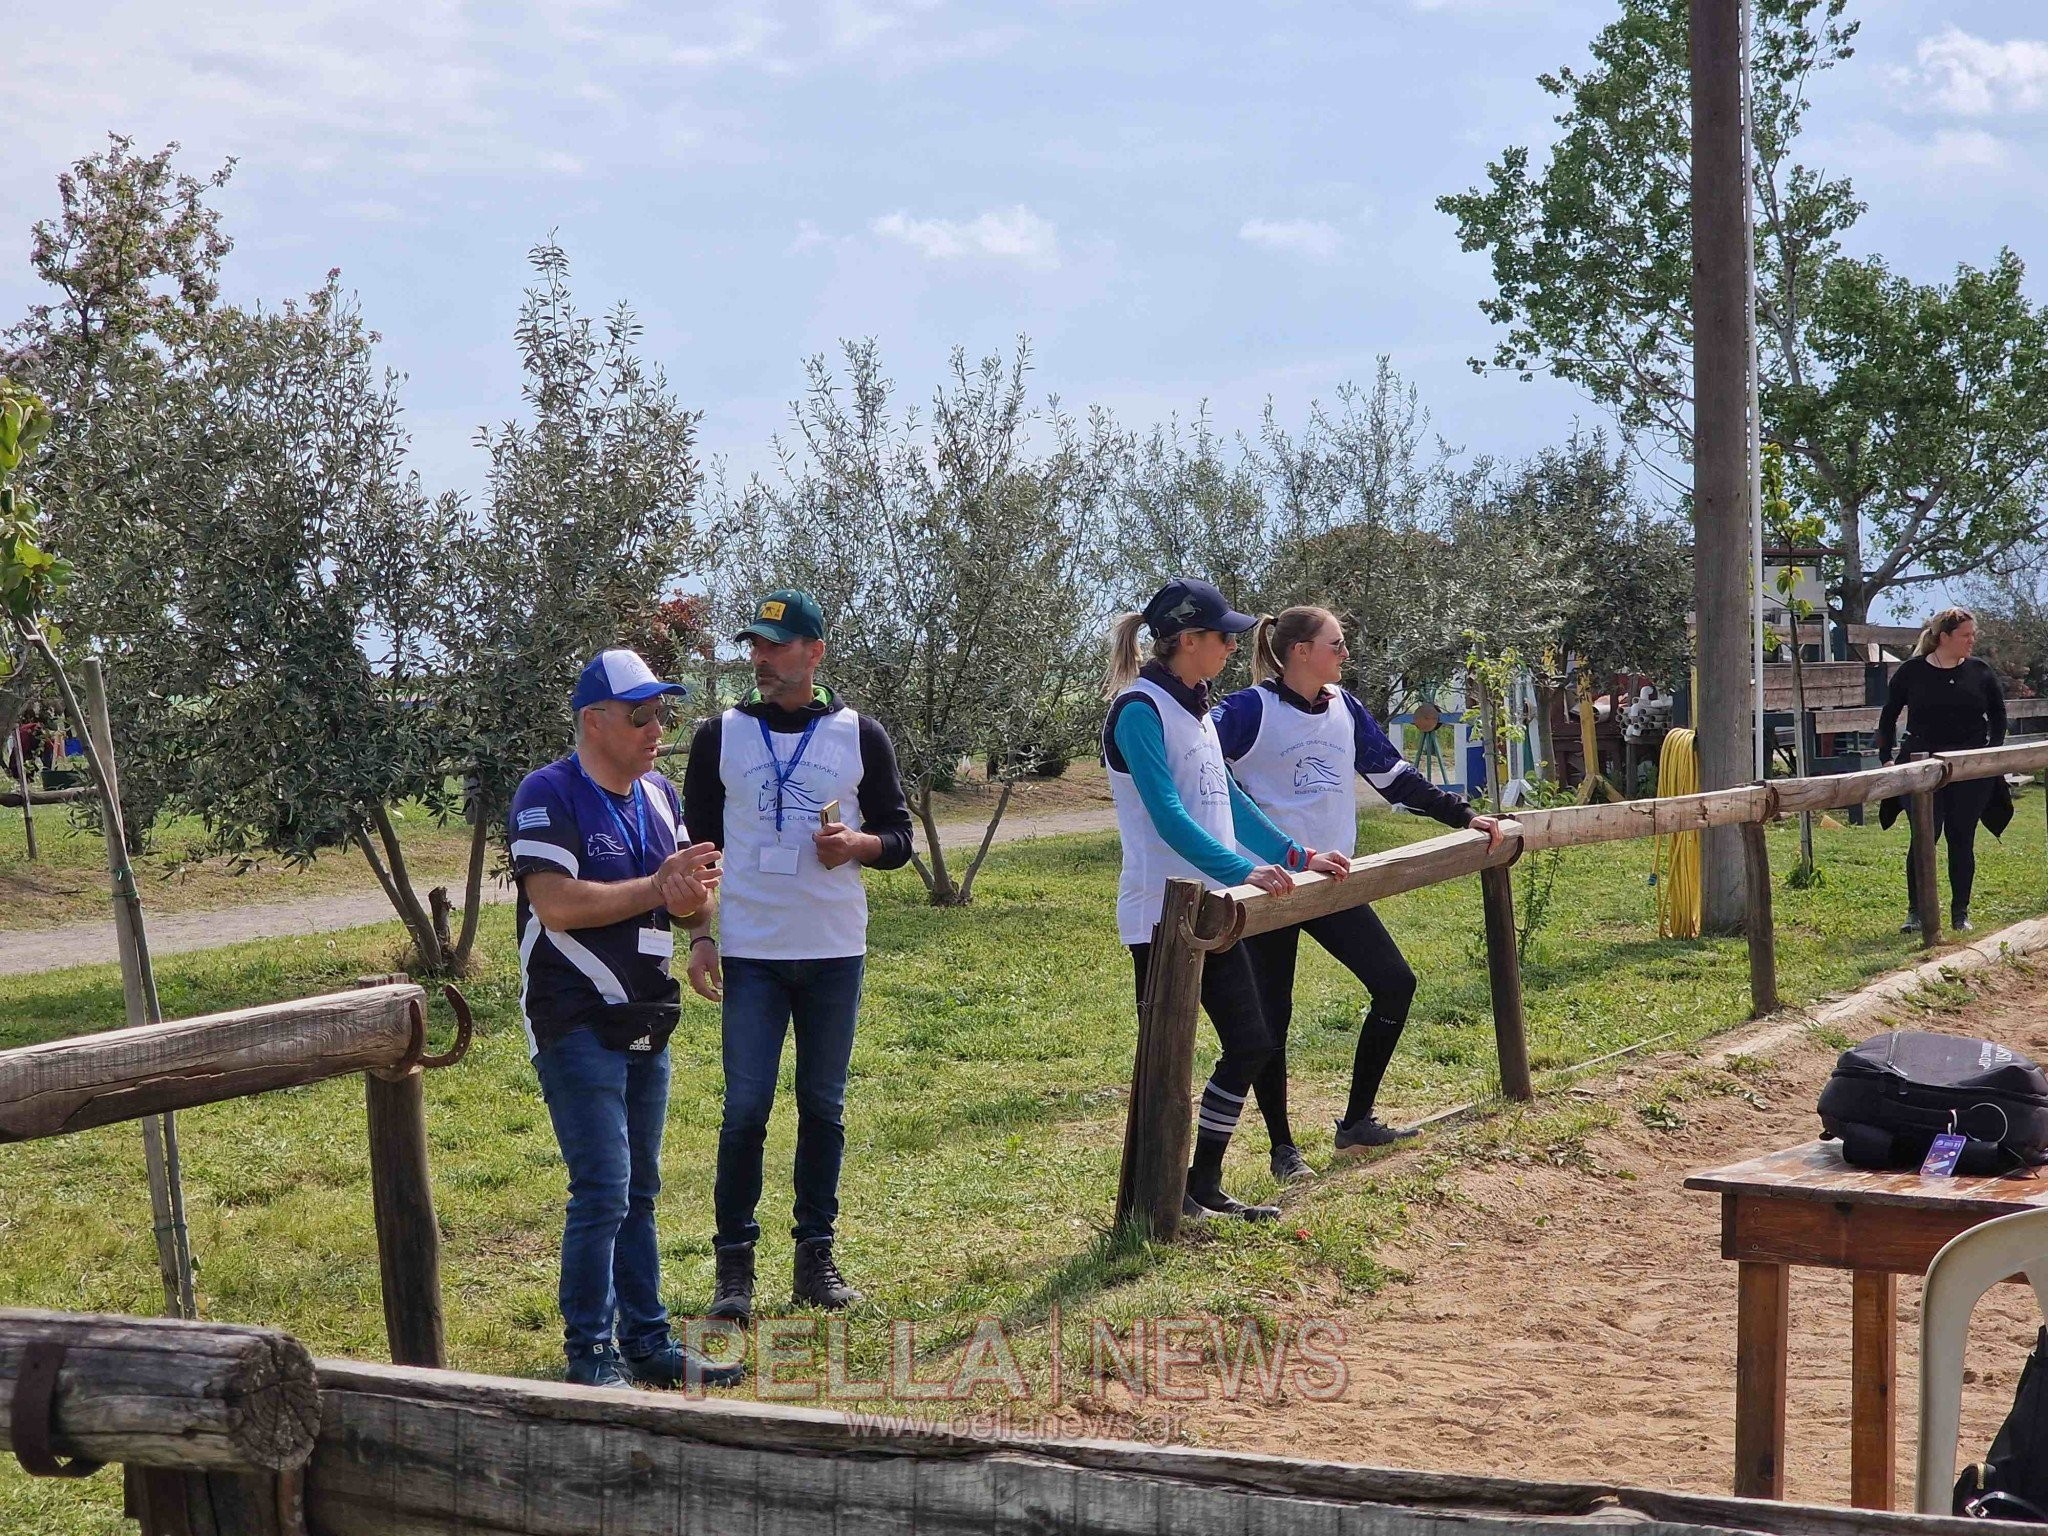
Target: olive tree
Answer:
[[959, 560]]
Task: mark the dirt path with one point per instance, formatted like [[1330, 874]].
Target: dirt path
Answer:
[[26, 952], [1570, 1316]]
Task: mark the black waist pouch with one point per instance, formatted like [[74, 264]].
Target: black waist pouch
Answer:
[[2011, 1482], [1889, 1097], [635, 1026]]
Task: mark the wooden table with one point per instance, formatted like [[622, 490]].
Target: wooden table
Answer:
[[1806, 1206]]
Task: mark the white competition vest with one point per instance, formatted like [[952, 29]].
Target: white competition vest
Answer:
[[1298, 770], [812, 913], [1194, 757]]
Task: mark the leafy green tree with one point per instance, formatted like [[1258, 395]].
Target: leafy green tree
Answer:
[[299, 638], [1914, 417], [960, 567], [587, 526]]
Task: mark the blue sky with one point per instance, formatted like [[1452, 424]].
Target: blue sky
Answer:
[[1177, 203]]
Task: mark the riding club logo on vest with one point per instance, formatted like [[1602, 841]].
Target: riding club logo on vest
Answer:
[[798, 799], [602, 845], [1314, 773], [1212, 783]]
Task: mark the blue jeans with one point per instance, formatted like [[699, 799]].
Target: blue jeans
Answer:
[[761, 998], [608, 1108]]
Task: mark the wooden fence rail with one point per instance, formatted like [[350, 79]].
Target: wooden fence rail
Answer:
[[64, 1086], [402, 1452], [1157, 1133]]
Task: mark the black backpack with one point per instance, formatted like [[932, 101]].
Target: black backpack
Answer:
[[1889, 1097], [2011, 1482]]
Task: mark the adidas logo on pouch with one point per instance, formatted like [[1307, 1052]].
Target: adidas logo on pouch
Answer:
[[1992, 1055]]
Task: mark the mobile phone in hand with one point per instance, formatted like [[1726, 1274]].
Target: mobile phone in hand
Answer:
[[828, 813]]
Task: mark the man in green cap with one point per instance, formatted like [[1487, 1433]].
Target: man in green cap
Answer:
[[800, 792]]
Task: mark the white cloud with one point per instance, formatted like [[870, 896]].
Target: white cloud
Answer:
[[1002, 234], [1298, 237], [1950, 159], [1974, 77]]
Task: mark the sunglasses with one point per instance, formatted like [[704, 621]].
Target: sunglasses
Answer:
[[641, 716]]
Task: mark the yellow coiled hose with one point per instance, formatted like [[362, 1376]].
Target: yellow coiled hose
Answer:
[[1678, 856]]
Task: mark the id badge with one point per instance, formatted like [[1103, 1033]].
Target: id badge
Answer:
[[1941, 1157], [658, 941], [778, 860]]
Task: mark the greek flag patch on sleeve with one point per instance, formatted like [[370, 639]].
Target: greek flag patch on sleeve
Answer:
[[531, 818]]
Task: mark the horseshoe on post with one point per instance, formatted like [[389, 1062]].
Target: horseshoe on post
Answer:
[[465, 1028]]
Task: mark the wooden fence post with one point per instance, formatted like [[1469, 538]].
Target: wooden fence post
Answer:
[[1504, 978], [402, 1198], [1159, 1127], [138, 987], [1927, 893], [1763, 939]]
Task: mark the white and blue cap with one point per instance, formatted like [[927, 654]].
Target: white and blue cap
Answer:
[[619, 674]]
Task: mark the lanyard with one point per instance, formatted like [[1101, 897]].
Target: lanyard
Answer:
[[783, 773], [638, 836]]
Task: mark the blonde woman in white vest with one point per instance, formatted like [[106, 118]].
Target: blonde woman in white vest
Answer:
[[1181, 817], [1293, 741]]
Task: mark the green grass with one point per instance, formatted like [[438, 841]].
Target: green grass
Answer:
[[985, 1116]]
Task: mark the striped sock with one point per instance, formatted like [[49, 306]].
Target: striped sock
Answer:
[[1220, 1111]]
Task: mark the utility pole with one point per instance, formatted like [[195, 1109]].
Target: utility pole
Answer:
[[1720, 510]]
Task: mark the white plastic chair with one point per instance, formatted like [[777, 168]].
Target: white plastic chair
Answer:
[[1967, 1266]]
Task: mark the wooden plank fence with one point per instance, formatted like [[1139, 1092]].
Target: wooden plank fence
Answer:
[[367, 1450], [61, 1087], [1196, 923]]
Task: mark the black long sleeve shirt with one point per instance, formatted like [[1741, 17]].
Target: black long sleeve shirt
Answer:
[[1947, 708], [883, 810]]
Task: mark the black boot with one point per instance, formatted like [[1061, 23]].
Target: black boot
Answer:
[[818, 1281], [733, 1294], [1959, 919]]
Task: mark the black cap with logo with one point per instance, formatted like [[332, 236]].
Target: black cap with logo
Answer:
[[1187, 602]]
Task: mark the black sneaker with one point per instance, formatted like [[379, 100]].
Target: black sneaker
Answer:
[[1959, 920], [1911, 924], [818, 1281], [675, 1365], [1361, 1135], [733, 1294], [1289, 1166], [600, 1367], [1214, 1203]]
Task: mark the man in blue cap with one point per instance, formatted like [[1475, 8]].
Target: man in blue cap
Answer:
[[801, 793], [605, 871]]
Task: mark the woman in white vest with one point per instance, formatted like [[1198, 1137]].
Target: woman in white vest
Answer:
[[1293, 742], [1181, 817]]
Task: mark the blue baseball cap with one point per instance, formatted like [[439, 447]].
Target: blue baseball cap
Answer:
[[619, 674], [1187, 602]]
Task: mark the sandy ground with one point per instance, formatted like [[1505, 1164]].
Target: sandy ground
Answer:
[[25, 952], [1577, 1321]]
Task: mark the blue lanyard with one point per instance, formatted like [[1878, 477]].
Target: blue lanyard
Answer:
[[639, 835], [783, 773]]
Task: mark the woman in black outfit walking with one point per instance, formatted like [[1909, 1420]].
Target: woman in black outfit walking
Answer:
[[1952, 701]]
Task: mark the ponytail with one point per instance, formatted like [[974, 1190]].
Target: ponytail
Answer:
[[1946, 622], [1265, 659], [1123, 654], [1274, 639]]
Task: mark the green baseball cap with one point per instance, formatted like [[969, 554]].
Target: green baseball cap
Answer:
[[787, 613]]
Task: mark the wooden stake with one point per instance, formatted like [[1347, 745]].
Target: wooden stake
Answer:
[[1158, 1129], [1763, 948], [402, 1199], [138, 989], [1504, 975], [28, 808]]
